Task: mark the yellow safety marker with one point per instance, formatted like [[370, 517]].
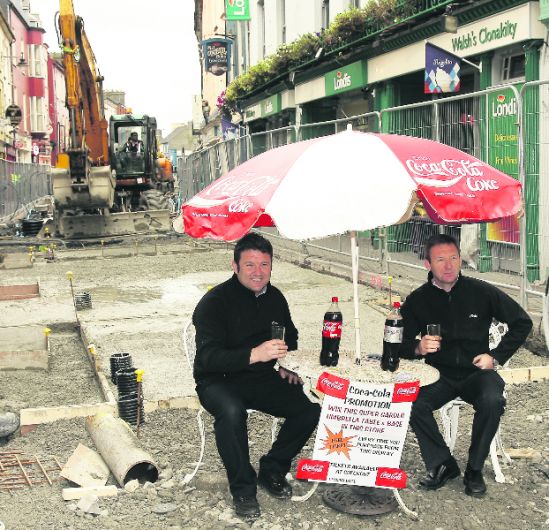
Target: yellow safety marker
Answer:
[[139, 373]]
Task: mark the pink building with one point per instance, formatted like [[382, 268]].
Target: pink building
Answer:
[[57, 111], [29, 77]]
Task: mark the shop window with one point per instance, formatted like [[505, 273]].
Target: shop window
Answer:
[[513, 67]]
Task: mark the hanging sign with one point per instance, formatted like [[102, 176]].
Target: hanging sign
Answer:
[[361, 433], [217, 55], [441, 70], [13, 113], [237, 10]]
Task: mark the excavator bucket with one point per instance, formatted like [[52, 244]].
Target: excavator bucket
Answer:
[[113, 224]]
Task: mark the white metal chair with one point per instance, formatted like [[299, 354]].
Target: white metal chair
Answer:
[[449, 414], [189, 346]]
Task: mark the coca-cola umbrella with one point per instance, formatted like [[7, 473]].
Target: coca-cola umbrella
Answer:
[[349, 182]]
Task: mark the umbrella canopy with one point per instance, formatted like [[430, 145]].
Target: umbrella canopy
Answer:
[[350, 181]]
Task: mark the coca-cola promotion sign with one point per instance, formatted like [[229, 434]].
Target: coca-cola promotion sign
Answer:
[[361, 433]]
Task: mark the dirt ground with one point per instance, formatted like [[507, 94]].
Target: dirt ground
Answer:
[[141, 297]]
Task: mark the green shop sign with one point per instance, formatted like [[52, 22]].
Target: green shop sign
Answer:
[[350, 77], [270, 105], [503, 154], [237, 9]]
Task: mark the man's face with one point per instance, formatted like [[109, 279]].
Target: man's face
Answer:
[[253, 270], [133, 136], [445, 264]]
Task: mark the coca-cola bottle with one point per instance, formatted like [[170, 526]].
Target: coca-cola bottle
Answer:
[[331, 334], [392, 339]]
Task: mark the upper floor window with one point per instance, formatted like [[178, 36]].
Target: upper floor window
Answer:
[[261, 26], [514, 67], [282, 20], [36, 61], [325, 13], [354, 4]]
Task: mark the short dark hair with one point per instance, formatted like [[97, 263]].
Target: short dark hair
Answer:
[[439, 239], [252, 241]]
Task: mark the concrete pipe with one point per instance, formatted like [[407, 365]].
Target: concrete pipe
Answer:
[[118, 446]]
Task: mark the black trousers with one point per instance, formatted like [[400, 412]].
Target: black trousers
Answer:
[[482, 389], [227, 402]]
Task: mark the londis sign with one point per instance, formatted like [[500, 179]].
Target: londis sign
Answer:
[[237, 9], [350, 77]]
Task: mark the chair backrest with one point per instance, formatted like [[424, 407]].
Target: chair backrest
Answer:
[[497, 330], [189, 342]]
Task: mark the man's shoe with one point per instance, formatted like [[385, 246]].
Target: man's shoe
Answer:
[[246, 507], [474, 482], [436, 478], [275, 483]]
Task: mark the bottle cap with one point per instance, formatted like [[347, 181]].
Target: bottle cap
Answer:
[[396, 304], [335, 299]]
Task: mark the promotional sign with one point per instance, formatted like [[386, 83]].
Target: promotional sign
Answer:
[[361, 433], [503, 155], [237, 9], [217, 55], [441, 70]]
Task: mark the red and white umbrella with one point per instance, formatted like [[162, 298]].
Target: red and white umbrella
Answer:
[[350, 181]]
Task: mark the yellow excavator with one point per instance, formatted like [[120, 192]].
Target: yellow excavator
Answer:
[[85, 187]]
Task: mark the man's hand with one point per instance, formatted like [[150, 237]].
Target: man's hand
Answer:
[[292, 377], [484, 361], [270, 350], [428, 344]]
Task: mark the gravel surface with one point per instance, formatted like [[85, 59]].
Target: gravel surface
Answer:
[[140, 302]]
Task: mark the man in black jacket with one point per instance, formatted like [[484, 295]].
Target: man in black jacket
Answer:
[[464, 307], [234, 371]]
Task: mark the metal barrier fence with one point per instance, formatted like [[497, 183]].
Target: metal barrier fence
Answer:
[[504, 126], [21, 184]]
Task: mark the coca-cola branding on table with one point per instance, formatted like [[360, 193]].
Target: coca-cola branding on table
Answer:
[[390, 477], [332, 385], [331, 329], [312, 469], [405, 392]]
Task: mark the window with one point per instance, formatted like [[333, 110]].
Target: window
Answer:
[[38, 114], [261, 27], [325, 14], [354, 4], [282, 20], [513, 67], [35, 61]]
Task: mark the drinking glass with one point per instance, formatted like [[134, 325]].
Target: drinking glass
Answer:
[[434, 331], [277, 331]]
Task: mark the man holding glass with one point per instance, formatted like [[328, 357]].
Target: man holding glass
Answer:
[[234, 370], [453, 314]]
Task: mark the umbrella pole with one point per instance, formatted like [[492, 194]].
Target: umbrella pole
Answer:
[[354, 260]]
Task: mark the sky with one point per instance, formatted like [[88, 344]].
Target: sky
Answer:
[[146, 48]]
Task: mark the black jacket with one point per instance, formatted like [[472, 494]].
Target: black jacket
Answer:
[[465, 314], [230, 320]]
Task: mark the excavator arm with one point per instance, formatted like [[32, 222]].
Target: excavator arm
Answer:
[[84, 181]]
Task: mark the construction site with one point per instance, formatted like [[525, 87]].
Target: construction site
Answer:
[[66, 313]]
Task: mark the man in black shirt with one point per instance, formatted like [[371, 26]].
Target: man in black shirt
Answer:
[[465, 308], [234, 371]]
